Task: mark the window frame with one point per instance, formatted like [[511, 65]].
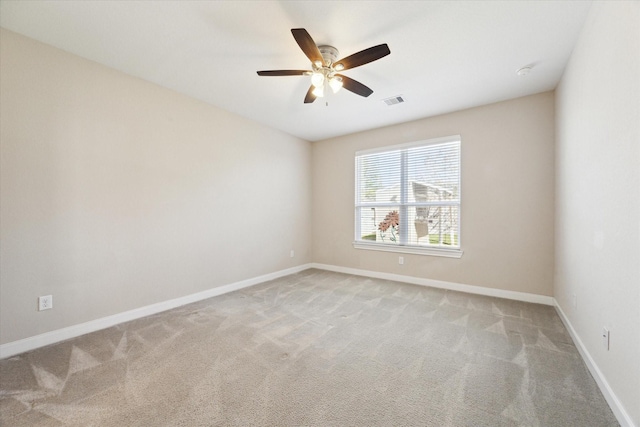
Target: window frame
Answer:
[[404, 205]]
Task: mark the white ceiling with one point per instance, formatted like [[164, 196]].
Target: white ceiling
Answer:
[[445, 55]]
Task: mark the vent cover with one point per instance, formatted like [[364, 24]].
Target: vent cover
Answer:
[[393, 100]]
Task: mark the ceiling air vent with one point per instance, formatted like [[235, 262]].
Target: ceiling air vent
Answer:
[[393, 100]]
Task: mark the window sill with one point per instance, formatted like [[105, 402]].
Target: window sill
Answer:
[[443, 252]]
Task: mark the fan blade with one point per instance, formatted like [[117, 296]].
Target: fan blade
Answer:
[[363, 57], [307, 44], [283, 73], [310, 97], [355, 86]]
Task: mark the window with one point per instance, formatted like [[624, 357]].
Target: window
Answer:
[[408, 198]]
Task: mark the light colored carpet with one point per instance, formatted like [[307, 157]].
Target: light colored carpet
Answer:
[[315, 348]]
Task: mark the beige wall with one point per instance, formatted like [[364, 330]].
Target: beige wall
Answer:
[[116, 193], [598, 194], [507, 197]]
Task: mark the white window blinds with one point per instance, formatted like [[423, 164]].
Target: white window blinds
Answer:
[[409, 195]]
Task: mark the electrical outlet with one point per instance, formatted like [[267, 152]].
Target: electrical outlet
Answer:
[[401, 260], [45, 302], [605, 338], [292, 254]]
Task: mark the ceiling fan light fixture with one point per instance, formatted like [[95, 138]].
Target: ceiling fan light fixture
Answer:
[[335, 83], [317, 79], [325, 64], [318, 92]]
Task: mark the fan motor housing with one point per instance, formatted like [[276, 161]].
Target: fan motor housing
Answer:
[[329, 54]]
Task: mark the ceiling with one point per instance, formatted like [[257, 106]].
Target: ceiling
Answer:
[[445, 55]]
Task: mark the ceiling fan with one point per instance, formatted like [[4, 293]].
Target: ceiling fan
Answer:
[[325, 67]]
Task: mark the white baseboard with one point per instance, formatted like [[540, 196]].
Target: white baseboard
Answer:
[[479, 290], [31, 343], [614, 403]]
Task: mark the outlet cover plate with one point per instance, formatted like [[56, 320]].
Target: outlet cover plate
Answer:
[[45, 302]]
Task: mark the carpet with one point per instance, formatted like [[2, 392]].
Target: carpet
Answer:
[[315, 348]]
